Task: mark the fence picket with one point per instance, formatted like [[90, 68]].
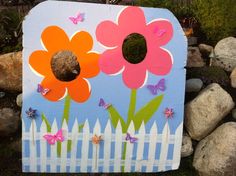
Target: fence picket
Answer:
[[177, 147], [64, 147], [107, 146], [140, 148], [118, 148], [74, 141], [96, 131], [85, 147], [164, 147], [43, 148], [32, 144], [53, 159], [129, 148], [152, 147]]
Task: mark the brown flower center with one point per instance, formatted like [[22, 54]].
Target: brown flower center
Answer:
[[134, 48], [65, 66]]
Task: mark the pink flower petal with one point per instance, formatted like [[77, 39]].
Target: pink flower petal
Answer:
[[134, 75], [160, 31], [108, 34], [132, 19], [111, 61], [159, 62]]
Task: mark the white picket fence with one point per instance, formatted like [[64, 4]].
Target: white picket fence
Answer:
[[38, 159]]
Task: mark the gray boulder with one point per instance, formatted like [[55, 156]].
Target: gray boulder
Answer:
[[216, 154], [205, 49], [194, 85], [233, 78], [19, 100], [204, 112], [194, 58], [225, 54], [187, 148]]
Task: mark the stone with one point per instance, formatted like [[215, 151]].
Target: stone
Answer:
[[194, 58], [19, 100], [225, 54], [204, 112], [194, 85], [233, 78], [216, 154], [11, 72], [205, 49], [9, 121], [187, 148], [234, 114], [2, 94]]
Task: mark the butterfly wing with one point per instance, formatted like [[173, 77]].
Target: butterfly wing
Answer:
[[45, 91], [161, 85], [59, 135], [50, 139], [127, 138], [80, 17], [39, 89], [101, 102], [74, 20], [133, 139], [152, 89]]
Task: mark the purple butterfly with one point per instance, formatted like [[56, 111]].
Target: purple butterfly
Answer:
[[78, 18], [103, 104], [159, 86], [42, 90], [159, 32], [31, 113], [130, 138], [169, 113]]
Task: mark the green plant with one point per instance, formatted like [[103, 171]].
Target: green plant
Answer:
[[216, 17], [10, 31]]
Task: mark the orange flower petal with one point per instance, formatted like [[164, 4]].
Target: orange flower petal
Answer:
[[81, 42], [55, 39], [89, 65], [40, 62], [78, 90], [56, 88]]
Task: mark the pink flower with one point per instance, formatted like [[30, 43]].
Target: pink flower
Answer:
[[112, 35]]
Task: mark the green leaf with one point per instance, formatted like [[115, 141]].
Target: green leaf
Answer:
[[115, 117], [147, 111], [66, 113], [44, 118], [81, 126]]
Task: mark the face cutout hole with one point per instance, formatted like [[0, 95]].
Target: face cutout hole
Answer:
[[65, 66], [134, 48]]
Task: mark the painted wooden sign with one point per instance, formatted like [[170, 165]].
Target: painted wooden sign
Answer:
[[88, 106]]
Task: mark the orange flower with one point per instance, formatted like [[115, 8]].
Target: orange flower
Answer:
[[55, 40]]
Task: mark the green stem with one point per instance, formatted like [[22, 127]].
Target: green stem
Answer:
[[123, 157], [132, 106], [66, 116]]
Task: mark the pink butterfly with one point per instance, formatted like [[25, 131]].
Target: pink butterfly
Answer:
[[52, 139], [78, 18], [159, 32], [42, 90], [169, 113]]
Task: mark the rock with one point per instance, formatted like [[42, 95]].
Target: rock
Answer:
[[234, 114], [194, 58], [2, 94], [225, 54], [205, 49], [9, 121], [216, 154], [187, 148], [19, 100], [11, 72], [204, 112], [194, 85], [233, 78]]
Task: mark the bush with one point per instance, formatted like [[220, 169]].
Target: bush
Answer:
[[10, 31], [216, 17]]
